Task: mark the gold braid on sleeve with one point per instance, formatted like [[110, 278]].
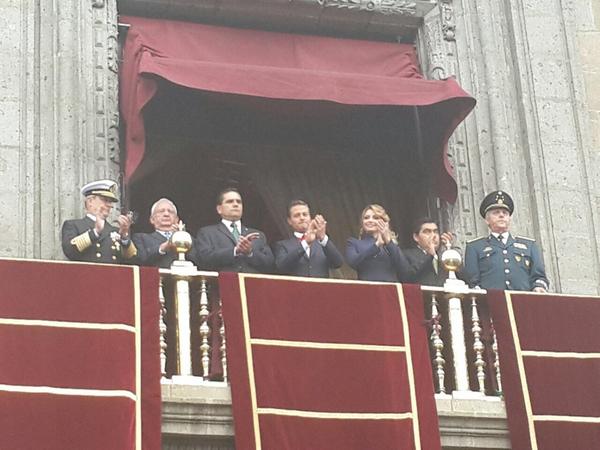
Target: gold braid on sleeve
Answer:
[[130, 251], [82, 242]]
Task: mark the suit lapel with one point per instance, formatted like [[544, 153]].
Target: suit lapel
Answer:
[[494, 242], [106, 231], [313, 250], [510, 241], [159, 237], [223, 229], [89, 221]]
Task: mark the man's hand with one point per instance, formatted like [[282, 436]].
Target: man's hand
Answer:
[[166, 246], [244, 245], [311, 233], [124, 226], [320, 226], [430, 248], [446, 238]]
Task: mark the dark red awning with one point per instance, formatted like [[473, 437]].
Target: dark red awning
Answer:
[[283, 66]]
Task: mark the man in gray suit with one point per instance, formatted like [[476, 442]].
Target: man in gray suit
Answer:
[[310, 253], [156, 249], [230, 246]]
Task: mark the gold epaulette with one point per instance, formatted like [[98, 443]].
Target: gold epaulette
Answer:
[[82, 242], [477, 239], [130, 251], [526, 238]]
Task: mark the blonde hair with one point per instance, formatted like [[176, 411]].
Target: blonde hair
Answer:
[[380, 213]]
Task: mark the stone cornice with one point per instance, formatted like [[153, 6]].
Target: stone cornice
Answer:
[[400, 7], [361, 18]]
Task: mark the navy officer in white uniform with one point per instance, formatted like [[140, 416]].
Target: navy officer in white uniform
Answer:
[[501, 260], [92, 238]]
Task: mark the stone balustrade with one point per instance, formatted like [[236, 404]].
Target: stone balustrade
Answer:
[[196, 396]]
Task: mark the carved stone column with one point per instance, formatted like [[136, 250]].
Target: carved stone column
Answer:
[[527, 134], [439, 60], [557, 141], [58, 110]]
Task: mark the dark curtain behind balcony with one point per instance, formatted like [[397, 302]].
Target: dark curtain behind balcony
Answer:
[[287, 67]]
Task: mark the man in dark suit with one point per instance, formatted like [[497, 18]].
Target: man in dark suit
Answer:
[[92, 238], [229, 245], [501, 260], [156, 249], [310, 253], [424, 257]]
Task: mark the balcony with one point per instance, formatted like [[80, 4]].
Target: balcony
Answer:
[[197, 400]]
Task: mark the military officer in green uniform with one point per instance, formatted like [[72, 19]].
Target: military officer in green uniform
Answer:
[[501, 260], [92, 238]]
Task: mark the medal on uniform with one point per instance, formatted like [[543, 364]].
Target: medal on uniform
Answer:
[[116, 240], [518, 258]]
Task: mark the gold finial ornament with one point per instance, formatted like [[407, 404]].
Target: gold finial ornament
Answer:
[[452, 261], [182, 241]]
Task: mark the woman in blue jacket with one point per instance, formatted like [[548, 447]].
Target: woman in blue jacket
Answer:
[[375, 255]]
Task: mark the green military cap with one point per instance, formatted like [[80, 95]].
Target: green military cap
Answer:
[[496, 199]]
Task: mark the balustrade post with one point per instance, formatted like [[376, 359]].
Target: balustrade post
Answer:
[[162, 326], [496, 358], [478, 345], [459, 349], [438, 344], [183, 275], [204, 330], [182, 307], [223, 342]]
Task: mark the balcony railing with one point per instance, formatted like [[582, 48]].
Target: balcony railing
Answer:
[[192, 331], [463, 346], [193, 353]]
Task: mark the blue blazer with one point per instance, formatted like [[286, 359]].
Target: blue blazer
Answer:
[[373, 263], [291, 259]]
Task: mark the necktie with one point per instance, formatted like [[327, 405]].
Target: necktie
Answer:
[[168, 234], [235, 232], [435, 264]]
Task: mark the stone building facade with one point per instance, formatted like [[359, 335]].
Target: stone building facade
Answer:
[[532, 65]]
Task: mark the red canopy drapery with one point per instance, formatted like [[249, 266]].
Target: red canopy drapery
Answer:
[[283, 66]]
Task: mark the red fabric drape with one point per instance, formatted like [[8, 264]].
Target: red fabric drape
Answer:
[[321, 365], [76, 354], [548, 348], [282, 66]]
